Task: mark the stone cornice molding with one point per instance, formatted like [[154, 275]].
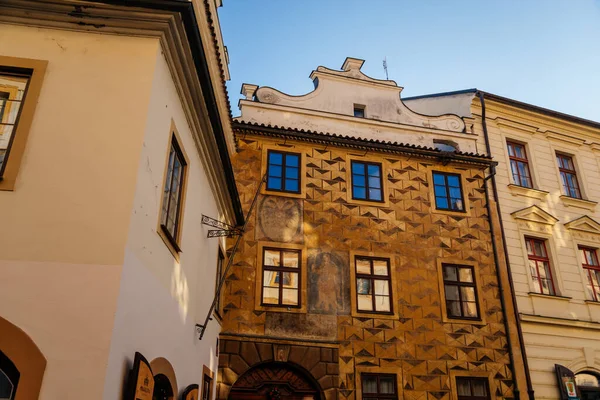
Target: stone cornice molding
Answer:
[[584, 224], [165, 22]]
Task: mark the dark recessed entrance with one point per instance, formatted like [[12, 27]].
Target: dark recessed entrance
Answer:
[[588, 385], [275, 381]]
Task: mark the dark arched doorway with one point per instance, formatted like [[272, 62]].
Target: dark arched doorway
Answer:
[[162, 388], [275, 381], [588, 384]]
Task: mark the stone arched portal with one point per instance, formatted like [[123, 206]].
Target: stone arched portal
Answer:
[[275, 381]]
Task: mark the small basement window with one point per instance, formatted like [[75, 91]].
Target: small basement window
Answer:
[[445, 145], [359, 111]]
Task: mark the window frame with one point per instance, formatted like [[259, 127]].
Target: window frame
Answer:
[[566, 188], [36, 70], [220, 264], [359, 107], [538, 259], [372, 277], [589, 268], [517, 160], [378, 395], [366, 164], [207, 376], [283, 171], [174, 243], [447, 187], [471, 379], [462, 284], [280, 269]]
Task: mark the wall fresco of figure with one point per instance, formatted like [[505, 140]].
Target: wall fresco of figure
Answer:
[[328, 282]]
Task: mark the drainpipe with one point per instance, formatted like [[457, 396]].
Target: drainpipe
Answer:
[[516, 392], [530, 390]]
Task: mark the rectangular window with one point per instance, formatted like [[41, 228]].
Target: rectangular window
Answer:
[[448, 192], [206, 387], [460, 291], [283, 171], [472, 388], [539, 265], [13, 86], [379, 386], [568, 176], [367, 182], [220, 261], [281, 277], [591, 268], [519, 165], [170, 218], [359, 111], [373, 285]]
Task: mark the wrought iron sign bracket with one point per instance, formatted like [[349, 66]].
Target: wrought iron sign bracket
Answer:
[[224, 229]]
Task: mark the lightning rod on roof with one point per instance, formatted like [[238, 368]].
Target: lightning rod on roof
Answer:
[[385, 68]]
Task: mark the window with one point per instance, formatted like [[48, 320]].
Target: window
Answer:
[[359, 111], [378, 386], [9, 378], [281, 277], [373, 285], [472, 388], [206, 387], [519, 165], [283, 171], [448, 192], [568, 176], [445, 145], [13, 86], [220, 261], [539, 264], [460, 291], [592, 271], [170, 219], [367, 182]]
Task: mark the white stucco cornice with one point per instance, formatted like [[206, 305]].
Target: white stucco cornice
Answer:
[[338, 92]]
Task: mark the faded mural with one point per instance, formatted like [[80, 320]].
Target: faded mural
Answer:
[[328, 282], [279, 219]]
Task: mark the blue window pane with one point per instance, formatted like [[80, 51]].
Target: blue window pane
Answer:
[[440, 191], [453, 181], [439, 179], [292, 160], [358, 168], [456, 204], [375, 194], [291, 184], [374, 170], [274, 183], [359, 193], [275, 170], [291, 172], [275, 158], [441, 202], [375, 182], [455, 193], [358, 180]]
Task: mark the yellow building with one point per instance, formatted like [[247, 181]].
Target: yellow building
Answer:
[[547, 187], [368, 267], [114, 141]]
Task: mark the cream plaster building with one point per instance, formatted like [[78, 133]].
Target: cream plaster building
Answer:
[[547, 180], [115, 140]]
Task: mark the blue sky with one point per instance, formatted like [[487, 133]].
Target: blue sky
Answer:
[[543, 52]]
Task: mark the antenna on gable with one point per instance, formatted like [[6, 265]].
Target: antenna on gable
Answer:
[[385, 68]]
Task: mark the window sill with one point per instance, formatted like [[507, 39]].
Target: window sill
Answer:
[[470, 321], [517, 190], [580, 203], [549, 296], [169, 242], [592, 302], [281, 193]]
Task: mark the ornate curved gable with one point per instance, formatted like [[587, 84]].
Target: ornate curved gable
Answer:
[[338, 92]]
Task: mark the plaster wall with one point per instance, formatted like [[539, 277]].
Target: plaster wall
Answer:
[[161, 299], [65, 225], [563, 330]]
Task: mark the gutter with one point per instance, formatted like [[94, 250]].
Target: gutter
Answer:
[[530, 390], [185, 9]]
